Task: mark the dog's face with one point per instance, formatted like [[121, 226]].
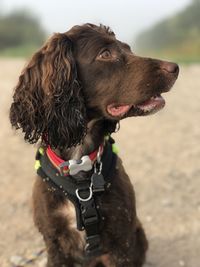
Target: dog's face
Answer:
[[116, 82], [84, 74]]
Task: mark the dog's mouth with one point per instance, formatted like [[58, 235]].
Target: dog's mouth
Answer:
[[147, 107]]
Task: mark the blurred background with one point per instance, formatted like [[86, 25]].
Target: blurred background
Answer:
[[170, 29], [161, 153]]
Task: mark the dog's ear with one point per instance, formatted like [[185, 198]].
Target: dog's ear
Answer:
[[48, 98]]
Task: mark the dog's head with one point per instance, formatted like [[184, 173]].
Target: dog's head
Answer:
[[84, 74]]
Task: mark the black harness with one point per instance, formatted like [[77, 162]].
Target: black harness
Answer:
[[83, 193]]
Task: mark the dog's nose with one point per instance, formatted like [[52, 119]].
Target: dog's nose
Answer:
[[170, 67]]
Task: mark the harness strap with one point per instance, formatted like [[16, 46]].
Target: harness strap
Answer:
[[64, 184], [91, 224], [84, 194]]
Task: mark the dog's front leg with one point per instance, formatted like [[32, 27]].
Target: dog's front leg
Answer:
[[55, 256], [133, 254], [140, 248], [54, 218]]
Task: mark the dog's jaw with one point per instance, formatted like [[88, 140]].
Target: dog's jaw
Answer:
[[147, 107]]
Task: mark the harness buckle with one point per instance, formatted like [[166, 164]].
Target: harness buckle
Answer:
[[98, 183]]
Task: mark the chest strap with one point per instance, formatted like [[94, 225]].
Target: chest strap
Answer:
[[83, 193]]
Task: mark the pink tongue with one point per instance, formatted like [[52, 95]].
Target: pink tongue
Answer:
[[118, 111], [156, 102]]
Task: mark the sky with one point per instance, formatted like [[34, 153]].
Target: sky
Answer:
[[126, 17]]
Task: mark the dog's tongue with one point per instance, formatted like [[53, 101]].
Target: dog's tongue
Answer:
[[119, 110]]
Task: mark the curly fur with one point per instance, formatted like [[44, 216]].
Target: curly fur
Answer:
[[48, 98]]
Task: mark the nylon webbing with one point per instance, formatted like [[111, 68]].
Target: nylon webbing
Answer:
[[83, 196]]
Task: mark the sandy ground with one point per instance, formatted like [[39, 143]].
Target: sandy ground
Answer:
[[161, 154]]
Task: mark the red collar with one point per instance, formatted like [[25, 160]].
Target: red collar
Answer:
[[72, 167]]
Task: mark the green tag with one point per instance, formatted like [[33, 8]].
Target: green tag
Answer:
[[115, 149], [41, 150], [37, 165]]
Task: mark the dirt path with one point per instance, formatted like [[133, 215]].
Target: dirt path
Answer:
[[161, 154]]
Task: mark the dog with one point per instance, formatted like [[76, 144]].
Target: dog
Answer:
[[70, 97]]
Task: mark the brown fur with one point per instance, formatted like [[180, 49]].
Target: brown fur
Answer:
[[62, 96]]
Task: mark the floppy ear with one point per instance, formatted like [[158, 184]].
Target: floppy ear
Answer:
[[48, 97]]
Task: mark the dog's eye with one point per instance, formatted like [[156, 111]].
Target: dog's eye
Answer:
[[106, 54]]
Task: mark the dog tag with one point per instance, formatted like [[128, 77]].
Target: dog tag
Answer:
[[98, 182]]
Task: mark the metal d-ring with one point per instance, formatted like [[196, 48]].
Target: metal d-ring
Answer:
[[84, 199]]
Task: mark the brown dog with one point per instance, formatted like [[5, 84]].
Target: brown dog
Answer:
[[71, 95]]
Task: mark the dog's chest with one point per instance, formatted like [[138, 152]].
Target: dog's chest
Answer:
[[67, 212]]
